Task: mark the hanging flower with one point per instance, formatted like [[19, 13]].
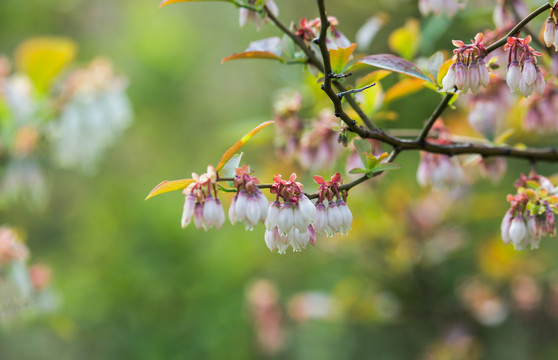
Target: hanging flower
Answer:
[[531, 215], [336, 217], [289, 222], [200, 204], [249, 205], [523, 72]]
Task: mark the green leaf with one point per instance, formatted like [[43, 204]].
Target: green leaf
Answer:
[[340, 58], [358, 171], [231, 165], [386, 167], [362, 146], [233, 149], [394, 63], [168, 2], [166, 186], [405, 40]]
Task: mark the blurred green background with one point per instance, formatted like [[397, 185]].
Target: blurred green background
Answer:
[[134, 285]]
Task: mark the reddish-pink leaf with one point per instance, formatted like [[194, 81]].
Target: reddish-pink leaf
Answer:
[[395, 63], [319, 180], [167, 186], [340, 58], [233, 149], [336, 178], [253, 55]]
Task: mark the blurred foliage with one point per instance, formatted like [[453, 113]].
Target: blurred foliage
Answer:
[[421, 276]]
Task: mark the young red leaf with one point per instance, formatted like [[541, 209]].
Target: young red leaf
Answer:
[[253, 55], [168, 2], [233, 149], [395, 63], [167, 186], [319, 180], [340, 57]]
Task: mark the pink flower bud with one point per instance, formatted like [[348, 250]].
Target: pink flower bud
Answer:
[[198, 215], [505, 227], [210, 212], [299, 222], [484, 76], [232, 213], [540, 84], [525, 88], [518, 233], [286, 218], [474, 79], [188, 210], [282, 243], [252, 212], [449, 80], [240, 207], [320, 225], [334, 218], [264, 205], [461, 79], [312, 233], [220, 218], [513, 76], [307, 208], [549, 31], [346, 215], [270, 239], [533, 233], [272, 215], [529, 72]]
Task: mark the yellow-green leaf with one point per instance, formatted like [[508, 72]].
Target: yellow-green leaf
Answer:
[[168, 2], [403, 88], [253, 55], [405, 40], [167, 186], [42, 59], [373, 77], [233, 149], [340, 58]]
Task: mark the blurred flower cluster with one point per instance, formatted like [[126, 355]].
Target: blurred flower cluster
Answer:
[[45, 103], [24, 289]]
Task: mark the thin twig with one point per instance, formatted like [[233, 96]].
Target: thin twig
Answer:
[[354, 91]]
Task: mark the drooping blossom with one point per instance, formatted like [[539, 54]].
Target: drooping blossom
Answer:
[[309, 30], [531, 214], [332, 216], [469, 71], [439, 7], [486, 115], [202, 203], [289, 222], [523, 72], [247, 15], [439, 170], [541, 113], [319, 147], [249, 205], [11, 247]]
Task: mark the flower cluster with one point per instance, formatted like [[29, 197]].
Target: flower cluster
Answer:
[[11, 247], [206, 210], [438, 7], [249, 205], [247, 15], [469, 71], [289, 222], [531, 215], [436, 169], [523, 72], [310, 29], [550, 33], [540, 117], [336, 217]]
